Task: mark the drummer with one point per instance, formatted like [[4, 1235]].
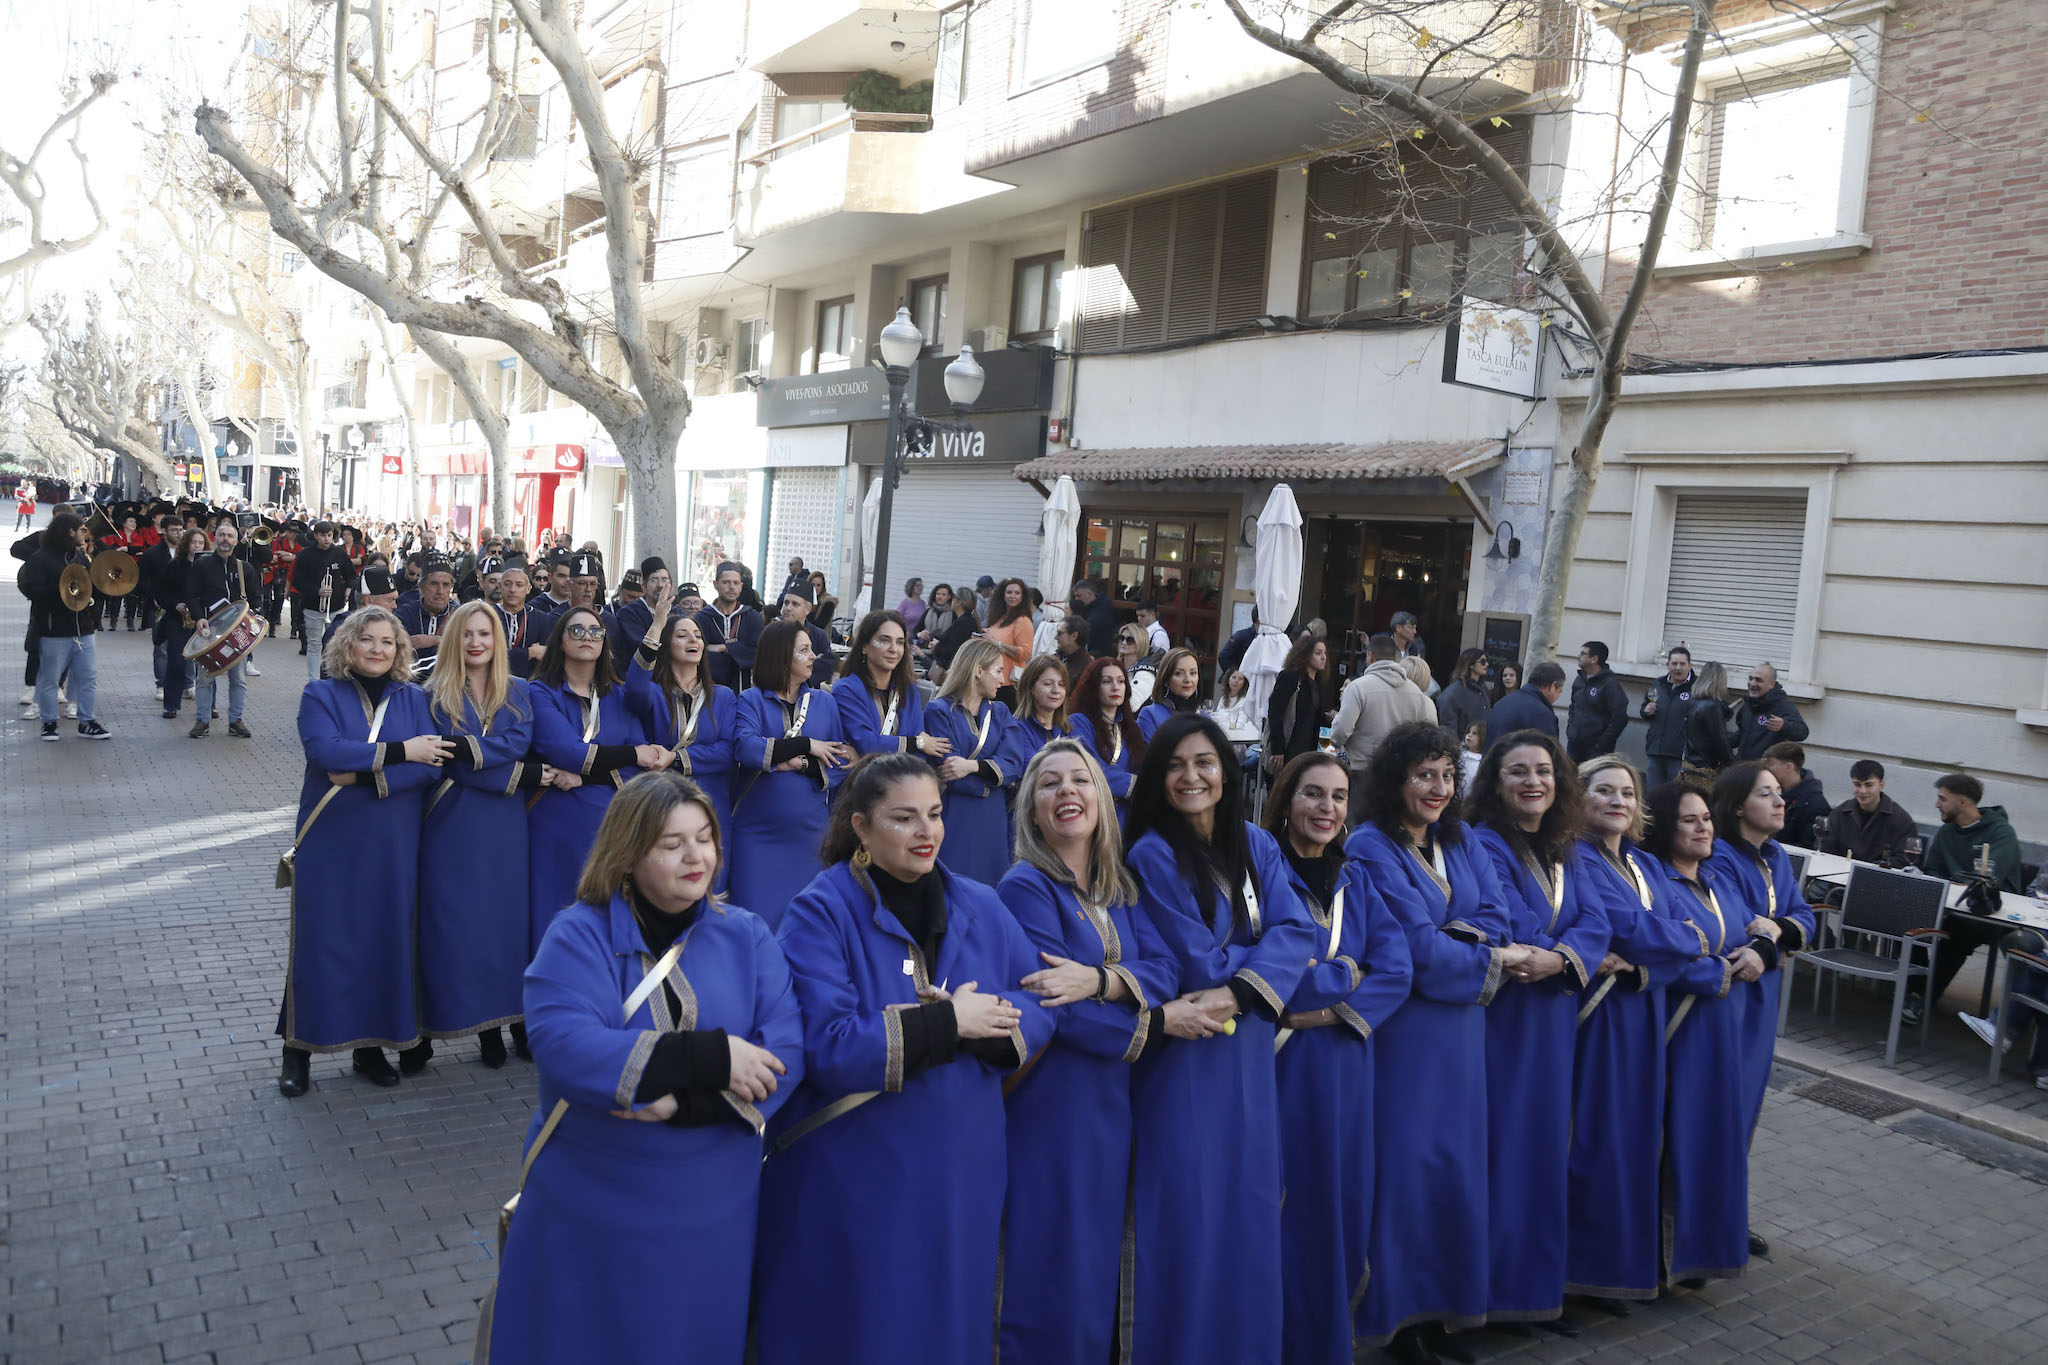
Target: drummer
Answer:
[[427, 616], [217, 582]]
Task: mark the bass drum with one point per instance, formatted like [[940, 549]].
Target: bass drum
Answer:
[[225, 639]]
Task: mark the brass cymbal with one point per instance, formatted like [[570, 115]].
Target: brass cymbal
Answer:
[[115, 572], [74, 587]]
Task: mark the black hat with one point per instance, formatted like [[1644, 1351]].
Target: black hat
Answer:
[[802, 590], [377, 582], [631, 579], [688, 590], [487, 566], [983, 582], [585, 565], [436, 564]]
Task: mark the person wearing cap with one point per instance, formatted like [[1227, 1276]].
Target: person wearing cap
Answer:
[[323, 585], [689, 599], [215, 581], [426, 616], [796, 608], [586, 581], [984, 599], [732, 631], [378, 589], [631, 616], [490, 570]]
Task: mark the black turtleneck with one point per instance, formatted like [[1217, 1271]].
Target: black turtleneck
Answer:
[[692, 1065], [374, 689], [1319, 873], [931, 1032]]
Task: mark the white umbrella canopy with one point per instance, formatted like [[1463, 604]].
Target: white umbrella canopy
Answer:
[[1061, 522], [870, 524], [1276, 589]]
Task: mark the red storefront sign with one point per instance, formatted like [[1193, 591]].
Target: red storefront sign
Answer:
[[459, 463], [557, 459], [393, 464]]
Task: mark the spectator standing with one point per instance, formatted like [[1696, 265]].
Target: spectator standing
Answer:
[[798, 578], [1975, 843], [1599, 707], [1010, 630], [1766, 715], [1372, 705], [1466, 702], [1157, 641], [1667, 706], [952, 632], [1232, 655], [1804, 800], [1706, 722], [1100, 613], [1070, 647], [1507, 682], [1869, 827], [984, 599], [1403, 626], [911, 608], [1533, 706]]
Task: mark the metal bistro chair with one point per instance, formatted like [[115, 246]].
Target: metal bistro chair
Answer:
[[2016, 960], [1900, 911]]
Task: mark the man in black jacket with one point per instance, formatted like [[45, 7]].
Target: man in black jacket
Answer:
[[215, 581], [323, 584], [1599, 707], [1766, 715], [64, 636], [1870, 827], [1805, 802], [1666, 705]]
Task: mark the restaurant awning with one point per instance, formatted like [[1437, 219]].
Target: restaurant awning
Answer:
[[1449, 460]]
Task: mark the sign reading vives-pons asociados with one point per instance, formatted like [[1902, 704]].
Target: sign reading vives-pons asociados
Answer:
[[807, 400]]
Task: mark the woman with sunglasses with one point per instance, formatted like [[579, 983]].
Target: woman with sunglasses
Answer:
[[1324, 1066], [1103, 722], [1205, 1110], [683, 710]]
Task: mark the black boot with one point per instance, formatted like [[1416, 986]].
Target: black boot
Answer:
[[493, 1042], [413, 1060], [1437, 1337], [371, 1065], [1612, 1307], [519, 1042], [1759, 1247], [1409, 1348], [1562, 1327], [1512, 1329], [293, 1079]]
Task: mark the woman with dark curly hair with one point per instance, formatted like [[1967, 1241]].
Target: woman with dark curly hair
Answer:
[[1525, 810], [1431, 1230]]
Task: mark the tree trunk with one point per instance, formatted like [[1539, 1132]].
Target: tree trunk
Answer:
[[202, 427], [650, 459]]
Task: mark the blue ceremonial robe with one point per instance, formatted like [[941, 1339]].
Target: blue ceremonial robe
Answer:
[[704, 754], [778, 818], [1430, 1230], [1325, 1081], [977, 842], [355, 889], [1760, 882], [879, 1227], [1070, 1129], [862, 717], [474, 895], [1030, 737], [1155, 714], [1705, 1214], [1206, 1119], [635, 1241], [562, 825], [1529, 1049], [734, 665], [1618, 1082], [531, 626], [1119, 764]]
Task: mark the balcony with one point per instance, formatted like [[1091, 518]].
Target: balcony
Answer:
[[846, 35], [857, 170]]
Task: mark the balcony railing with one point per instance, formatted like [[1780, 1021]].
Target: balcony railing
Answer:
[[852, 121]]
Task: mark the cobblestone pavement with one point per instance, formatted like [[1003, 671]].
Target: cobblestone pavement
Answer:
[[159, 1201]]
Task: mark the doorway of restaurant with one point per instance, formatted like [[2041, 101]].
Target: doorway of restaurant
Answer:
[[1357, 573]]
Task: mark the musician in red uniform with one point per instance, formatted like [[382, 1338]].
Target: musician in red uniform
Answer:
[[277, 575]]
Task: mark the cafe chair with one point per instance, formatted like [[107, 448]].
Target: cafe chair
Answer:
[[1896, 911], [2016, 959]]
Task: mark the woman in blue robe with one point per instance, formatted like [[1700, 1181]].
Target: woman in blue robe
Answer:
[[1042, 716], [1101, 709], [1324, 1064], [1524, 810], [592, 744], [1705, 1215], [473, 888], [1205, 1110], [371, 755], [1110, 986], [880, 708], [667, 1035], [1179, 691], [790, 754], [682, 709], [981, 764], [1431, 1231], [882, 1197], [1618, 1075]]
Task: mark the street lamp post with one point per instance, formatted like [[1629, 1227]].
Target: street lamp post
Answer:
[[901, 345]]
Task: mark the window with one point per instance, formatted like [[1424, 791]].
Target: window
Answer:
[[532, 393], [1400, 234], [1062, 36], [289, 262], [1772, 160], [694, 187], [927, 299], [523, 140], [949, 80], [748, 339], [1177, 267], [704, 38], [1175, 561], [835, 336], [1733, 591], [794, 117], [1035, 296]]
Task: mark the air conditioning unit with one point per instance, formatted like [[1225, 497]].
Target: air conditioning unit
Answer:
[[710, 352], [991, 338]]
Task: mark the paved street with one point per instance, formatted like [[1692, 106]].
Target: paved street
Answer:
[[161, 1202]]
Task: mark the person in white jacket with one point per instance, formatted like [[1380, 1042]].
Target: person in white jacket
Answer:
[[1373, 703]]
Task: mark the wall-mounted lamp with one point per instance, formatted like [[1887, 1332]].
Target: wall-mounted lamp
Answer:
[[1272, 322], [1514, 546]]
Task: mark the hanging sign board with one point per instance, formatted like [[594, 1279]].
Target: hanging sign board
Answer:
[[1494, 347]]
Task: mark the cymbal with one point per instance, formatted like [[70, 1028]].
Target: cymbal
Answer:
[[115, 572], [74, 587]]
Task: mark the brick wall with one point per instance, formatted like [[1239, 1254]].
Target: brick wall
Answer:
[[1004, 126], [1956, 205]]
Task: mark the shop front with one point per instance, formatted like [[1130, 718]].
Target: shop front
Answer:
[[544, 480], [453, 490]]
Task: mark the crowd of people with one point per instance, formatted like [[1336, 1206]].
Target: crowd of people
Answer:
[[965, 916]]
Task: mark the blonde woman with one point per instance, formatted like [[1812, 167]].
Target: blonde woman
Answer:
[[472, 939], [1706, 726], [982, 761], [1109, 985], [371, 756]]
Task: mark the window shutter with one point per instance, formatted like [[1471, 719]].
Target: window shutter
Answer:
[[1105, 256], [1178, 267], [1191, 282], [1151, 240], [1733, 594], [1484, 203], [1247, 231]]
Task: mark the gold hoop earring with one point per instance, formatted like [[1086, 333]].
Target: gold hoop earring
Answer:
[[861, 857]]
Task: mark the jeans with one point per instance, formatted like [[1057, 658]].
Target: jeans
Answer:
[[204, 692], [62, 654], [1663, 769], [315, 625], [176, 637]]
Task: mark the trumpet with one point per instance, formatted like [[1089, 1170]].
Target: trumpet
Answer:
[[262, 535]]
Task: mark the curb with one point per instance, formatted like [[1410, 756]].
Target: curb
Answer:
[[1994, 1119]]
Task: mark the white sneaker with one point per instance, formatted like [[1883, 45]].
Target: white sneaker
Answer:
[[28, 696], [70, 710], [1985, 1030], [253, 671], [2041, 1081]]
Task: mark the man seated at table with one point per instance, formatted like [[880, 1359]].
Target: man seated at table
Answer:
[[1805, 802], [1869, 827], [1975, 843]]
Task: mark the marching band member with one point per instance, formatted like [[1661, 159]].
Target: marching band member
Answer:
[[880, 710], [473, 862], [215, 581], [1206, 1111], [176, 594], [1180, 688], [694, 718], [791, 754], [982, 762], [666, 1034], [371, 754], [1324, 1068], [1102, 721], [1109, 983], [323, 582], [882, 1197]]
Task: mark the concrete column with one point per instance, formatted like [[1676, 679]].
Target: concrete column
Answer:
[[875, 288], [970, 292], [1283, 269]]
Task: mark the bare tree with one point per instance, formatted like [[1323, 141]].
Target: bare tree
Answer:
[[1421, 68], [99, 383], [644, 419], [24, 180]]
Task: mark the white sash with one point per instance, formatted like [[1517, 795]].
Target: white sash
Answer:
[[889, 714], [700, 699], [988, 720], [653, 979], [1251, 906], [1336, 923], [803, 706], [589, 718]]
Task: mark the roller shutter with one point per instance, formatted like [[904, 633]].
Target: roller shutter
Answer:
[[954, 525], [1733, 593]]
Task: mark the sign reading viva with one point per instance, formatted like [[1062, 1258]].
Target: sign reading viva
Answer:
[[955, 445], [1494, 347]]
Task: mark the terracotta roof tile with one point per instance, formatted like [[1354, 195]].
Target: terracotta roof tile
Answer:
[[1391, 460]]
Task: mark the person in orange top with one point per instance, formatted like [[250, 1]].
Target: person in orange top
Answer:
[[1010, 628]]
